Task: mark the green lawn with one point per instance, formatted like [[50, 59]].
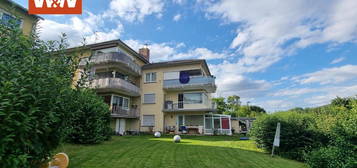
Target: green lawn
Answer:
[[193, 151]]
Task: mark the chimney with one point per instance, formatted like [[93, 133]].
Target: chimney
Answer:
[[145, 52]]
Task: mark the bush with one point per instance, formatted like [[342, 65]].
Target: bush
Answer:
[[90, 119], [295, 135], [341, 150], [324, 137], [333, 156], [35, 80]]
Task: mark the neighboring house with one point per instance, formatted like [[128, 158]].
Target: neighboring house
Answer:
[[242, 124], [9, 10], [170, 97]]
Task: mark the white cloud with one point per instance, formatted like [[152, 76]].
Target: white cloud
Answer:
[[177, 17], [170, 51], [200, 53], [330, 93], [88, 27], [276, 105], [277, 28], [294, 92], [337, 60], [230, 80], [179, 2], [135, 10], [329, 75]]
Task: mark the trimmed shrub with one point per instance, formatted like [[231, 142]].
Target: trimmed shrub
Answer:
[[90, 119], [323, 137], [295, 136]]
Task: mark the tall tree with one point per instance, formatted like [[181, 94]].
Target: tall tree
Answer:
[[233, 103], [221, 104]]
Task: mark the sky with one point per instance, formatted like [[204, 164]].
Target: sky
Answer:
[[278, 54]]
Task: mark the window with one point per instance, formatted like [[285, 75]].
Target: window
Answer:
[[192, 98], [194, 72], [150, 77], [8, 20], [149, 98], [171, 75], [148, 120], [120, 102]]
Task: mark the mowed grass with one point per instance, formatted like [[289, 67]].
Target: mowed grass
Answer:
[[192, 152]]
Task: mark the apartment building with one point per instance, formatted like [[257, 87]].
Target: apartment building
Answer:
[[9, 10], [170, 97]]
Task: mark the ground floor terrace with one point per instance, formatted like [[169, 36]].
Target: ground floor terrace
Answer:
[[196, 123]]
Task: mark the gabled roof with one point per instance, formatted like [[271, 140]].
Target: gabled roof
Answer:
[[113, 43], [23, 9], [177, 63]]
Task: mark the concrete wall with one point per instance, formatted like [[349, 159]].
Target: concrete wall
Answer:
[[235, 126]]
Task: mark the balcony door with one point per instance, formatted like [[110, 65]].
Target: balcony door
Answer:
[[120, 103], [180, 101]]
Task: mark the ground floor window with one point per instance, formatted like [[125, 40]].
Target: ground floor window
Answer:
[[148, 120]]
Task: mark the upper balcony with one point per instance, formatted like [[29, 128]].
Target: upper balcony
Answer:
[[116, 85], [195, 83], [181, 106], [118, 59], [125, 113]]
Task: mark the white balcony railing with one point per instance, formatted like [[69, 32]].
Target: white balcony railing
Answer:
[[125, 113], [204, 82], [170, 106], [116, 85], [113, 58]]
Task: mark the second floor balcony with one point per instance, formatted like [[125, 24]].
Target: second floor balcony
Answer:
[[195, 83], [181, 106], [113, 59], [125, 113], [115, 85]]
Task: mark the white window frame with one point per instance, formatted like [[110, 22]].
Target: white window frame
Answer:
[[122, 107], [149, 102], [2, 11], [148, 125], [202, 98], [150, 80]]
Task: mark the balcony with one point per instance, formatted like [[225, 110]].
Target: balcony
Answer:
[[114, 59], [169, 106], [115, 85], [195, 83], [122, 113]]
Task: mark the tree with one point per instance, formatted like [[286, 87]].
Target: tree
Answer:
[[35, 89], [233, 103], [221, 104], [342, 102]]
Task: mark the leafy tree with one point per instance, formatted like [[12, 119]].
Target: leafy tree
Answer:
[[35, 89], [257, 109], [342, 102], [221, 104], [233, 103]]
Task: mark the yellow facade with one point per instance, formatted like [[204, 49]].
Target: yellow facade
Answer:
[[28, 22], [162, 118]]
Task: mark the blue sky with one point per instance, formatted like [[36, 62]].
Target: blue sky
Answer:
[[277, 54]]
